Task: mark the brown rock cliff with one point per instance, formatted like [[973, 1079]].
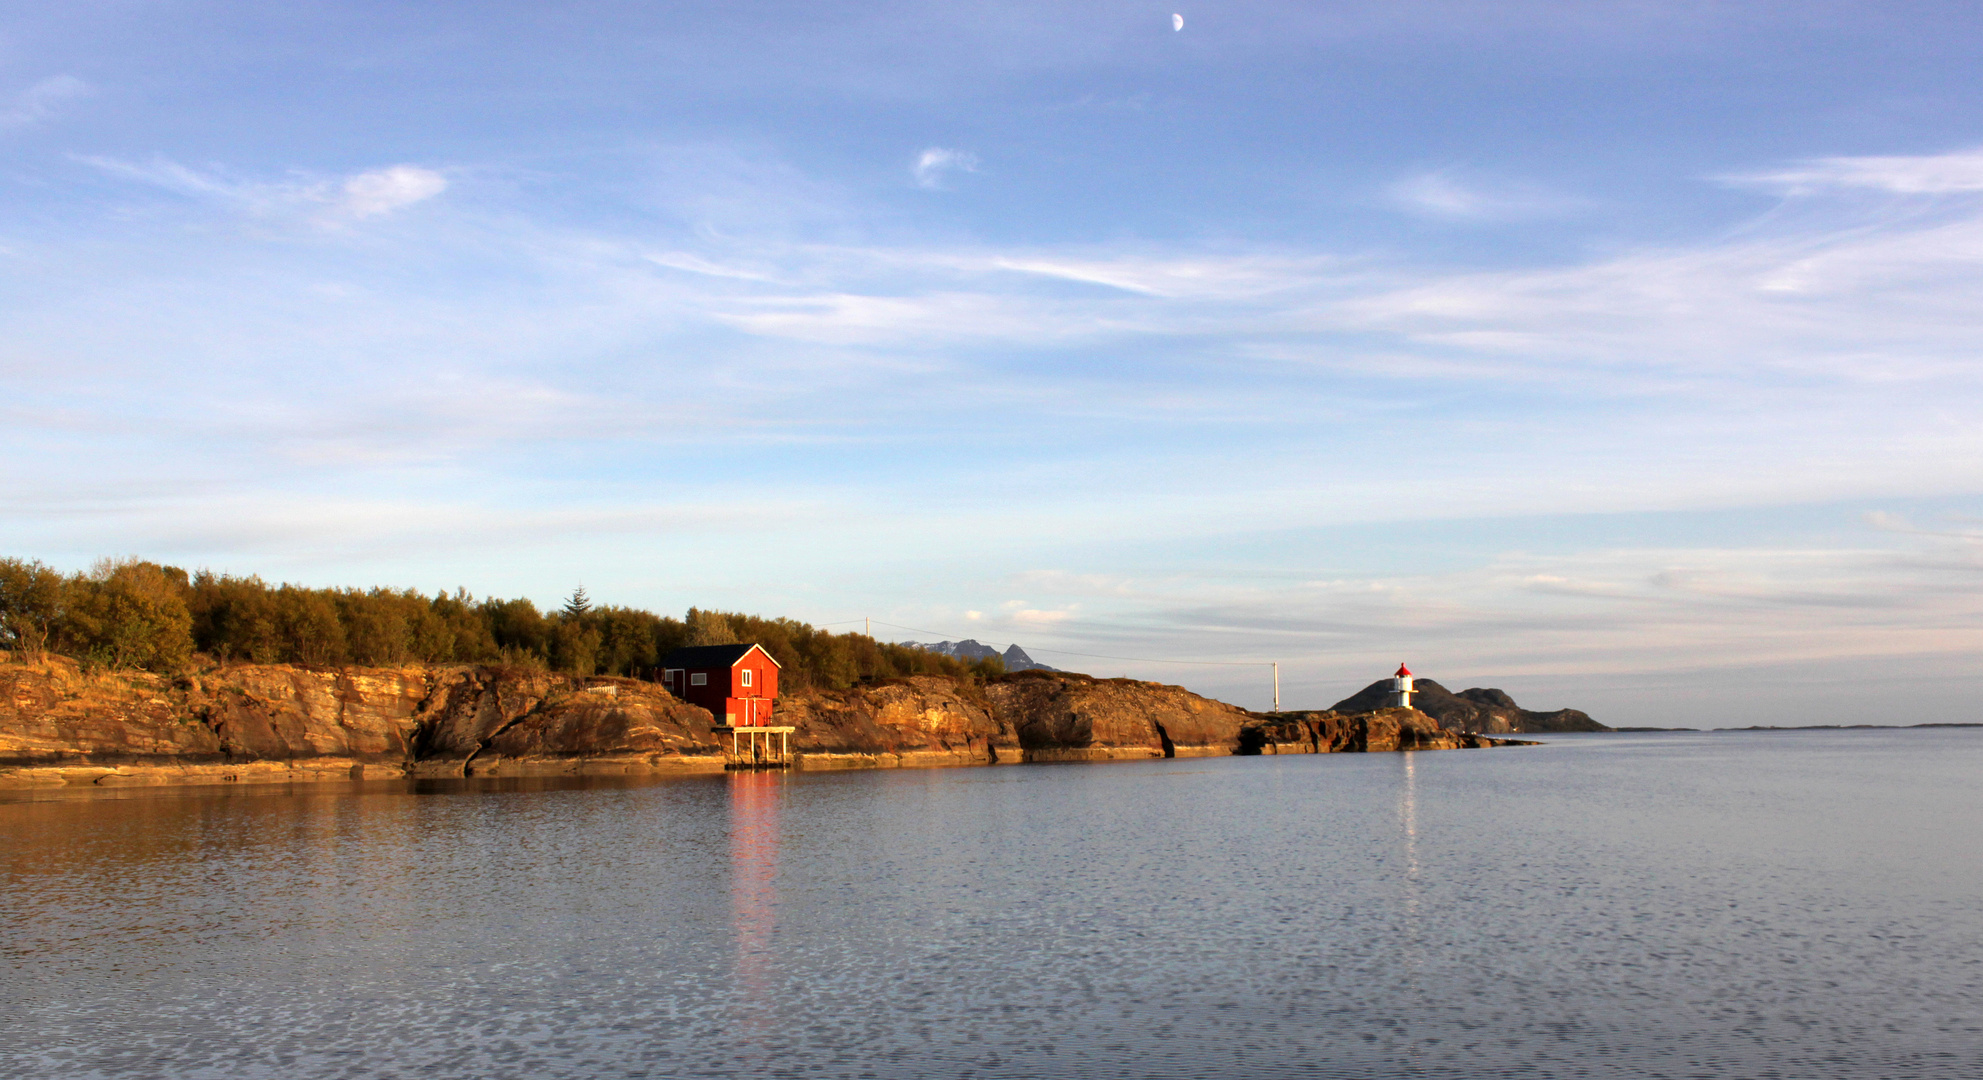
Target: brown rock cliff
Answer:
[[1060, 716]]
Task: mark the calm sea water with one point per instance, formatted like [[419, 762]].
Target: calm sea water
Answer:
[[1729, 905]]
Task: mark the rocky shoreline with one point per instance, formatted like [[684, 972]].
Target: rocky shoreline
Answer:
[[273, 723]]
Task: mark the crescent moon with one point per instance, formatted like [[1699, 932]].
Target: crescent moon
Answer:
[[1177, 22]]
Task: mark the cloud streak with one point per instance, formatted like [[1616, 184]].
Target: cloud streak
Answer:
[[370, 194], [1444, 195], [43, 101], [382, 191], [1957, 173], [933, 164]]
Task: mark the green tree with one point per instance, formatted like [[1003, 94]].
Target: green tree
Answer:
[[626, 640], [710, 628], [574, 646], [307, 621], [235, 618], [30, 603], [129, 613], [473, 641], [520, 631]]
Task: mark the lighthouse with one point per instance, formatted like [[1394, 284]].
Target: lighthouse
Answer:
[[1401, 689]]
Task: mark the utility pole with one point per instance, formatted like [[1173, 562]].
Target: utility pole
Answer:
[[1277, 686], [867, 626]]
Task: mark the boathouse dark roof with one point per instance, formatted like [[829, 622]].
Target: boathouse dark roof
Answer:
[[712, 656]]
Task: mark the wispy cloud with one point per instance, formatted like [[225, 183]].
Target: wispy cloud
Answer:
[[1886, 521], [696, 264], [172, 176], [1019, 613], [1855, 298], [1446, 195], [933, 164], [381, 191], [42, 100], [1172, 274], [1959, 172], [356, 197]]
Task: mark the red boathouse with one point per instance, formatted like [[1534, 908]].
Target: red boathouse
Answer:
[[736, 683]]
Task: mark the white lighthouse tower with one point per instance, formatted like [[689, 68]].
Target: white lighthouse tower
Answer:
[[1401, 689]]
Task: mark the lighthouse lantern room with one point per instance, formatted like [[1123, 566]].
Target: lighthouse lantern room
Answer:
[[1401, 689]]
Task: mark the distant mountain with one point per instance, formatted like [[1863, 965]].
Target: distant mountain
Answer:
[[1474, 709], [968, 649]]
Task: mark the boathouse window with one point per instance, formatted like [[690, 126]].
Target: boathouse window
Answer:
[[699, 679], [747, 676]]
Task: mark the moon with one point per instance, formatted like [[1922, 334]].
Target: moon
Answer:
[[1177, 22]]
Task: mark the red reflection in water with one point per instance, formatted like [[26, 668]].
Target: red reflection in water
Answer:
[[754, 798]]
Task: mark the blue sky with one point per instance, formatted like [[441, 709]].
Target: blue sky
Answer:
[[1623, 356]]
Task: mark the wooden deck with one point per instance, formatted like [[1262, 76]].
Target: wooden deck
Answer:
[[755, 747]]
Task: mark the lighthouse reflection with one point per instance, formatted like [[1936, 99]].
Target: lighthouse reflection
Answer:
[[1411, 936], [754, 805], [1408, 826]]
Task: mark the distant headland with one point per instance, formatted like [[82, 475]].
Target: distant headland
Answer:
[[1014, 658]]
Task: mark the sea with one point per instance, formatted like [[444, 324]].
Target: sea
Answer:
[[1714, 905]]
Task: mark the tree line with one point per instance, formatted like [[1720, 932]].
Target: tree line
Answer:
[[130, 613]]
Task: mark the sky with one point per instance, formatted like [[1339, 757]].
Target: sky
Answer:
[[1625, 356]]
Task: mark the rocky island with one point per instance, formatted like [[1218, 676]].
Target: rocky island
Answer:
[[243, 722], [1475, 709]]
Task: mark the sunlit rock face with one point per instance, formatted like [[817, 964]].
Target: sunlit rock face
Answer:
[[483, 720], [1061, 716], [281, 713], [1476, 709], [603, 726], [921, 720], [54, 714], [265, 722]]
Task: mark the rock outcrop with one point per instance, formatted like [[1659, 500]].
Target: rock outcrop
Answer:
[[573, 726], [1475, 709], [1059, 716], [922, 720], [1331, 732], [273, 722]]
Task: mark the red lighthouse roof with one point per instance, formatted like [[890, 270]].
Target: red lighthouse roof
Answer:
[[1403, 672]]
